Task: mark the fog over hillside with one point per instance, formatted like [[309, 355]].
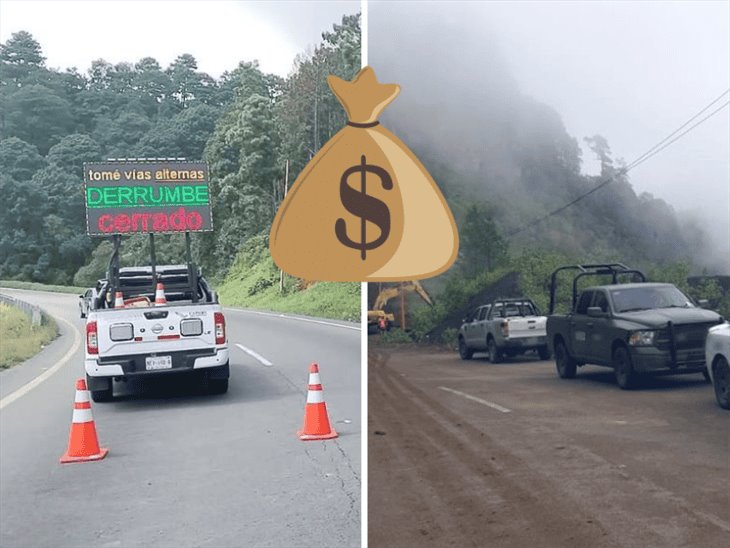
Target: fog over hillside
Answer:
[[498, 97]]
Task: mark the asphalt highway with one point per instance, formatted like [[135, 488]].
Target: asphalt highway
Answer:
[[185, 468]]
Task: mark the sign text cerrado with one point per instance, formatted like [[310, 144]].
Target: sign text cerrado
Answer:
[[147, 196]]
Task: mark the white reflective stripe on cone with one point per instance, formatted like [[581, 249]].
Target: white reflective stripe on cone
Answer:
[[315, 396], [82, 415], [82, 396], [314, 378]]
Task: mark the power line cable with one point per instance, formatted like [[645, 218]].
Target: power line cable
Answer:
[[653, 151], [680, 128], [658, 150]]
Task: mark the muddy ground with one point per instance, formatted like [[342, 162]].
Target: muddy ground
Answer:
[[477, 454]]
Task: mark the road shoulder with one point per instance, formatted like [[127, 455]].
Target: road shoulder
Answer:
[[19, 375]]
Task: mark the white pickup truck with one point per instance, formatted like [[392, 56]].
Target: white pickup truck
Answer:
[[141, 339], [506, 327]]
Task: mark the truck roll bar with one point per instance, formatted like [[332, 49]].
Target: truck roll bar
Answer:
[[608, 269]]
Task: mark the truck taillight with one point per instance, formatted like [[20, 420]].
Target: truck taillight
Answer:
[[220, 328], [92, 340], [505, 329]]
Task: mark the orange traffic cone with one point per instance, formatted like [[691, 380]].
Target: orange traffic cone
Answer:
[[118, 300], [82, 442], [316, 423], [160, 299]]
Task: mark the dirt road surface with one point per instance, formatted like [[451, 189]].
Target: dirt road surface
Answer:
[[469, 453]]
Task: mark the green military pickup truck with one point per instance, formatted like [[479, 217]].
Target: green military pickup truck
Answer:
[[636, 328]]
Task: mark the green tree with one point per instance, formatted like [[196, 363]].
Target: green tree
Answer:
[[308, 113], [20, 226], [184, 135], [482, 247], [70, 153], [19, 159], [100, 75], [246, 80], [153, 85], [245, 201], [223, 149], [121, 135], [599, 145], [344, 41], [188, 85], [38, 116], [19, 56]]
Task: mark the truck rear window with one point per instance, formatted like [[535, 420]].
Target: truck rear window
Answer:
[[648, 298]]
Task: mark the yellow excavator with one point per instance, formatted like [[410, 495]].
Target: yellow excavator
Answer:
[[386, 294]]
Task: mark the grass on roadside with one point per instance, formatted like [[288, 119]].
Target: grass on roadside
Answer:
[[340, 301], [253, 282], [19, 340], [16, 284]]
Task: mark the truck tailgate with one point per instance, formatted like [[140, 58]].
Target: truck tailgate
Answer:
[[175, 328], [525, 327]]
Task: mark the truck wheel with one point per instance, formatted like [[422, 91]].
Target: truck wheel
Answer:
[[721, 371], [465, 352], [543, 352], [625, 375], [100, 396], [495, 354], [564, 363]]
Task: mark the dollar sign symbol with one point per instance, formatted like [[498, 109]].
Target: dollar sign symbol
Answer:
[[361, 204]]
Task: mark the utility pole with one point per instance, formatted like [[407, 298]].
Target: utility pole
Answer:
[[286, 189], [316, 126], [402, 307]]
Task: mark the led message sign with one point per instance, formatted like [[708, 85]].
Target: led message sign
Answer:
[[147, 196]]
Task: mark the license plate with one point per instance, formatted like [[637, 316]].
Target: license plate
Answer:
[[158, 362]]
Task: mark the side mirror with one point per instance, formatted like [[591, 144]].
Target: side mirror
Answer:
[[703, 303], [596, 312], [81, 296]]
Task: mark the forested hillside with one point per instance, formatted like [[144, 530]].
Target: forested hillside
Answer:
[[246, 124], [504, 178], [487, 141], [504, 160]]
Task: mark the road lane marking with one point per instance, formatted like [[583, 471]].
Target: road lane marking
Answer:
[[714, 520], [309, 320], [23, 390], [255, 355], [478, 400]]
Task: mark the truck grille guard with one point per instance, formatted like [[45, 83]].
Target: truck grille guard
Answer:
[[672, 345], [684, 338]]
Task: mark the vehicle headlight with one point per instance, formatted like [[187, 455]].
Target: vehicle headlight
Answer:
[[642, 338]]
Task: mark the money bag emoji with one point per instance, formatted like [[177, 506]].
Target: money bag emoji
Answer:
[[364, 208]]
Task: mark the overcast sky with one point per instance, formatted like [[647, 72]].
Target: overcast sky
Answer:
[[218, 33], [630, 71]]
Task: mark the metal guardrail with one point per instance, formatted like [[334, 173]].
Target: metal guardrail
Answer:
[[34, 312]]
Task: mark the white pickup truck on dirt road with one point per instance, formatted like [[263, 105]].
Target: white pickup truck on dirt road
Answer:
[[506, 327], [144, 338]]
